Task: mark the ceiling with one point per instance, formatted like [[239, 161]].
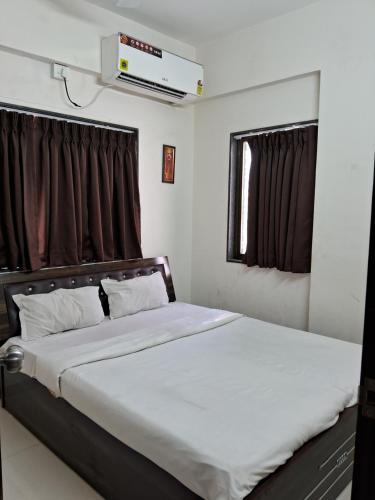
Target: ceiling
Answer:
[[198, 21]]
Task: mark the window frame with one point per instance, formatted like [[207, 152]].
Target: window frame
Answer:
[[235, 185]]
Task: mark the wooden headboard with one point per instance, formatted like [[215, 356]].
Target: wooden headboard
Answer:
[[47, 280]]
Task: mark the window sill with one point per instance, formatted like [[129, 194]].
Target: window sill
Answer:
[[235, 261]]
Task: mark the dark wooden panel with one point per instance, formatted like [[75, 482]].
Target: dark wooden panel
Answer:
[[364, 469]]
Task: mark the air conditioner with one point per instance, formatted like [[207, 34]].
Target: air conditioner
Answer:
[[141, 67]]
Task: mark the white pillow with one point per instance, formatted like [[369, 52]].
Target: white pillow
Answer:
[[64, 309], [134, 295]]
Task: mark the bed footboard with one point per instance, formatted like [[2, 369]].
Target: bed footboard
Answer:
[[319, 470]]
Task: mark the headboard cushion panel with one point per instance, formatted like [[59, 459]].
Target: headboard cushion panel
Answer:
[[47, 280]]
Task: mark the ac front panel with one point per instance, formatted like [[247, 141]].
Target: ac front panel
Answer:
[[168, 70]]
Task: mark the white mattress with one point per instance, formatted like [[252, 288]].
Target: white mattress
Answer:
[[217, 400]]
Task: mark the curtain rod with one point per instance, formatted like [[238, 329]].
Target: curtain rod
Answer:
[[270, 130], [66, 118]]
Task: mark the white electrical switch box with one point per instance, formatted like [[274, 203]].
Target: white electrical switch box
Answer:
[[59, 71]]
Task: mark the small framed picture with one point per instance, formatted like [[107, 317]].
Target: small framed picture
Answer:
[[169, 157]]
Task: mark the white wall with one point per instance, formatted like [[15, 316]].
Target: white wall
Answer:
[[70, 31], [335, 37], [166, 216], [266, 294]]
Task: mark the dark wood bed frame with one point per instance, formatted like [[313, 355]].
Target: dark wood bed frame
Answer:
[[319, 470]]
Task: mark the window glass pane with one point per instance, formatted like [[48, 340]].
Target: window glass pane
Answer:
[[246, 163]]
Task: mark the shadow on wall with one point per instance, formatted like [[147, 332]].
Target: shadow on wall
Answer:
[[266, 294]]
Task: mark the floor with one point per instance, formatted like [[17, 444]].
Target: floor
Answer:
[[345, 495], [32, 472]]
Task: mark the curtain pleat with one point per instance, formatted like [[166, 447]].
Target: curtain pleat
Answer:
[[69, 193], [281, 199], [130, 205]]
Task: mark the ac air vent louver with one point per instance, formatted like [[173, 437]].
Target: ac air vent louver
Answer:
[[155, 87]]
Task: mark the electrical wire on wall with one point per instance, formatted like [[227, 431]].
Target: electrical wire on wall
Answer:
[[76, 105]]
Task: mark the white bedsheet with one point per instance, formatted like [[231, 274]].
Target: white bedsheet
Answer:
[[220, 409]]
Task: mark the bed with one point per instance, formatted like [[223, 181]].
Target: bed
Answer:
[[144, 402]]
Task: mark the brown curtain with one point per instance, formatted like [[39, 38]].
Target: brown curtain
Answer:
[[281, 199], [69, 193]]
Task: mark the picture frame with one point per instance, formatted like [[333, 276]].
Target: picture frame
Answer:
[[169, 160]]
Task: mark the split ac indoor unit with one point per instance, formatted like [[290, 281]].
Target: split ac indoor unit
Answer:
[[141, 67]]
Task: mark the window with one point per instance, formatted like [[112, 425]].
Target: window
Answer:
[[240, 164], [69, 192], [271, 175], [246, 163]]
